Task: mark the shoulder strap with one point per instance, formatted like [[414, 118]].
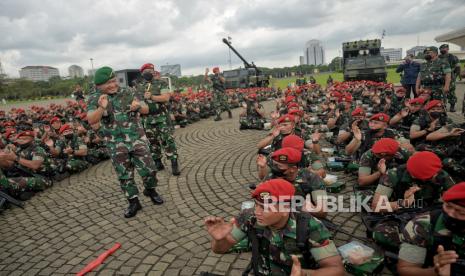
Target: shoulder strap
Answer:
[[260, 247], [437, 240], [302, 235]]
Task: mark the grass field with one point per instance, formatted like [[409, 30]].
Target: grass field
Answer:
[[392, 77]]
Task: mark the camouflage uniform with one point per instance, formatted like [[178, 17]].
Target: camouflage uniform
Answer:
[[17, 185], [393, 185], [157, 123], [74, 164], [282, 243], [220, 98], [95, 151], [252, 119], [421, 239], [432, 75], [453, 61], [125, 138]]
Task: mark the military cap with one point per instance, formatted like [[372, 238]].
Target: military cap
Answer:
[[293, 141], [424, 165], [358, 111], [416, 101], [385, 145], [455, 194], [346, 97], [292, 104], [296, 112], [289, 99], [431, 48], [401, 89], [9, 132], [253, 96], [28, 133], [287, 155], [286, 118], [9, 124], [55, 119], [274, 188], [64, 127], [444, 46], [432, 104], [381, 117], [147, 66], [102, 75]]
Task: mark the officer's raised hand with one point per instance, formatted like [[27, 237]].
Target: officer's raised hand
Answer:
[[443, 260], [135, 105], [261, 161], [218, 228], [356, 131], [296, 267], [409, 195], [103, 101]]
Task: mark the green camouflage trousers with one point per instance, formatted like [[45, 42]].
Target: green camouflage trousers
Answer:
[[437, 93], [252, 122], [387, 234], [17, 185], [161, 138], [127, 156], [75, 165], [220, 102], [451, 97]]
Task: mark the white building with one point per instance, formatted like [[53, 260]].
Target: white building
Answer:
[[314, 53], [301, 60], [171, 70], [38, 73], [416, 50], [75, 71], [391, 54]]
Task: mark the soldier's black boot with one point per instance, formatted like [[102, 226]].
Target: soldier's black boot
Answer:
[[175, 167], [134, 206], [217, 118], [154, 196], [452, 108], [229, 114], [159, 165]]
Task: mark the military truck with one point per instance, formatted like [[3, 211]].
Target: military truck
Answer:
[[250, 76], [362, 60]]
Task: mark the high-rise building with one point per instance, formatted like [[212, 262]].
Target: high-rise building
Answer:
[[314, 53], [91, 72], [301, 60], [75, 71], [173, 70], [38, 73], [391, 54], [416, 50]]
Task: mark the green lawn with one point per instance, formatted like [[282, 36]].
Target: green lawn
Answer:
[[392, 77]]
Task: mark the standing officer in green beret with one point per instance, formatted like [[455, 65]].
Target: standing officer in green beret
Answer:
[[435, 74], [118, 111], [453, 62]]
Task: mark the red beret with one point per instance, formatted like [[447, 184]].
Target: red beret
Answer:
[[293, 141], [358, 111], [292, 104], [274, 188], [297, 112], [83, 116], [289, 99], [346, 98], [55, 119], [417, 101], [286, 118], [381, 117], [216, 69], [64, 127], [336, 94], [147, 66], [25, 133], [287, 155], [253, 96], [9, 124], [424, 165], [432, 104], [385, 145], [401, 89], [455, 194], [9, 132]]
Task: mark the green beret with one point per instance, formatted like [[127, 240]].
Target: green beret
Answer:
[[443, 46], [102, 75], [431, 48]]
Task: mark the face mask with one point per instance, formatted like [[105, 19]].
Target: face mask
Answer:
[[428, 57], [453, 224], [374, 131], [400, 98], [276, 171], [69, 136], [147, 76], [443, 52], [341, 106], [435, 115], [22, 146]]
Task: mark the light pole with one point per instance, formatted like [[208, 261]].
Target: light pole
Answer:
[[92, 65], [229, 40]]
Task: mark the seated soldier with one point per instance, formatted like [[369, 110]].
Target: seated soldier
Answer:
[[283, 164], [358, 117], [403, 120], [22, 165], [433, 119], [420, 183], [433, 242], [253, 115], [73, 149], [278, 228], [286, 126]]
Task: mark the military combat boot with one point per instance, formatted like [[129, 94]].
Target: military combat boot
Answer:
[[217, 118], [175, 167], [154, 196], [134, 206], [229, 114], [159, 165]]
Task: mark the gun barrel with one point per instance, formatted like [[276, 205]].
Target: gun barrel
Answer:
[[247, 65]]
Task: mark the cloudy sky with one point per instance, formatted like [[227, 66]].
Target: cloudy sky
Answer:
[[272, 33]]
